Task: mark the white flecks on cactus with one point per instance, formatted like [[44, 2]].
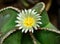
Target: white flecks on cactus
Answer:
[[28, 20]]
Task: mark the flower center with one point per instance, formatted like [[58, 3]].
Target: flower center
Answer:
[[29, 22]]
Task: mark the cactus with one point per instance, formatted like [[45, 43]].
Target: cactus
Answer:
[[9, 34]]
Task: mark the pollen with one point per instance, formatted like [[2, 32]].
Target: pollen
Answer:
[[29, 22]]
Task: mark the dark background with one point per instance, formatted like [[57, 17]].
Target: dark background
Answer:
[[54, 13]]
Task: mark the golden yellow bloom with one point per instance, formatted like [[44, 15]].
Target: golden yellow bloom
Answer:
[[29, 22]]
